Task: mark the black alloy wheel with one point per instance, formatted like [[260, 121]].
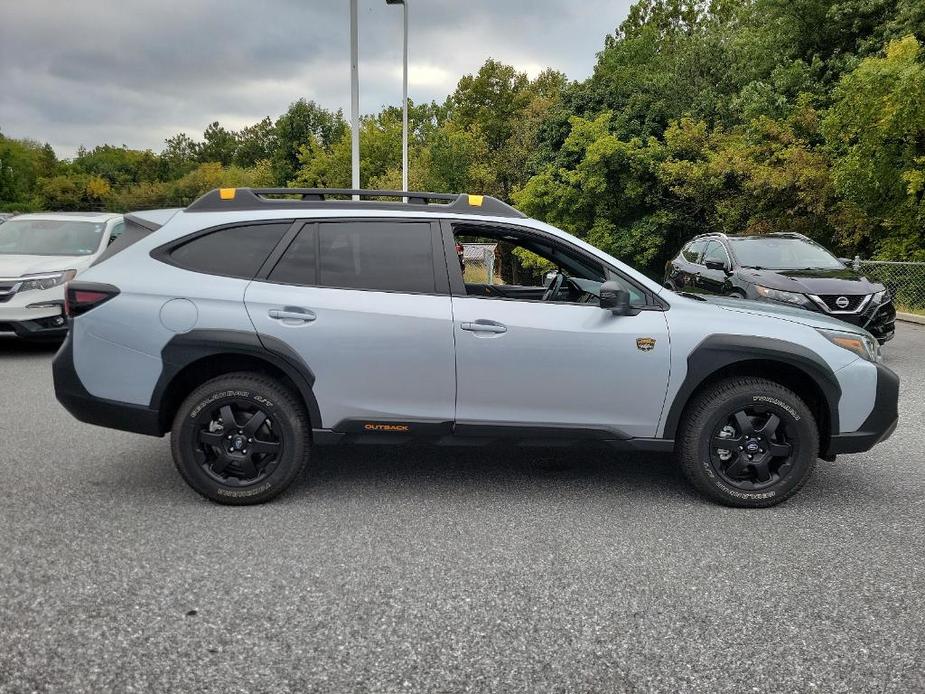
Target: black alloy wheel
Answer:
[[237, 443], [750, 449]]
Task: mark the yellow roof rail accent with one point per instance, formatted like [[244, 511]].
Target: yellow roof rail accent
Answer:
[[476, 200], [227, 193]]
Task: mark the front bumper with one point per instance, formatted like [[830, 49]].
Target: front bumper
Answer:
[[90, 409], [880, 423], [877, 319], [45, 322]]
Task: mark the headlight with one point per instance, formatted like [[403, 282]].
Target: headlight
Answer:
[[46, 280], [865, 346], [779, 295], [880, 296]]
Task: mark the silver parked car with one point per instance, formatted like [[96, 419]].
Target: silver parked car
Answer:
[[252, 326]]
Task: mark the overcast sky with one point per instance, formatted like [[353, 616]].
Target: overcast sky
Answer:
[[128, 72]]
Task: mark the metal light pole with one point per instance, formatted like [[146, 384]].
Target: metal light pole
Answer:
[[354, 98], [404, 98]]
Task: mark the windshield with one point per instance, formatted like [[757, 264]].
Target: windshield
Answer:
[[50, 237], [779, 253]]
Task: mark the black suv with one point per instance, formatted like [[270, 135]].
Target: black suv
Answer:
[[782, 268]]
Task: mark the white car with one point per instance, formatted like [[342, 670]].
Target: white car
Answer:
[[39, 253]]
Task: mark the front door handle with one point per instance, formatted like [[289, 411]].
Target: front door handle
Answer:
[[484, 326], [289, 313]]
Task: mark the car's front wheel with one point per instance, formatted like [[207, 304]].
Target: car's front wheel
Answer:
[[240, 439], [748, 442]]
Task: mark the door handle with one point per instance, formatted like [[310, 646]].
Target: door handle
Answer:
[[299, 314], [484, 326]]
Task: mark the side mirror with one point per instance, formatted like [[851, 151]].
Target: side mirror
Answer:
[[616, 299], [715, 265]]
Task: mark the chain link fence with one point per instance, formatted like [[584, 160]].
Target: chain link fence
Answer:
[[905, 280]]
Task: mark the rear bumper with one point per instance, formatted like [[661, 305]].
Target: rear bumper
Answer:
[[93, 410], [880, 423]]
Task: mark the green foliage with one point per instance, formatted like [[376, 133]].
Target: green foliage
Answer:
[[875, 131]]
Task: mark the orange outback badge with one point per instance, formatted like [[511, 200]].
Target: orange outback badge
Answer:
[[645, 344], [372, 426]]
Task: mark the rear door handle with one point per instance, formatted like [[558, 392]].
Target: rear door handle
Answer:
[[299, 314], [484, 326]]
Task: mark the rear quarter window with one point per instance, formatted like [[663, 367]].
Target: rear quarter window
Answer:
[[237, 251]]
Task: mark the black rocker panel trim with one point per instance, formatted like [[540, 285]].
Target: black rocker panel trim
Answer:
[[183, 350], [379, 431], [716, 352]]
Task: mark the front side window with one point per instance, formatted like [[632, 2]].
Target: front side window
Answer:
[[715, 252], [50, 237], [231, 252], [502, 264], [376, 255]]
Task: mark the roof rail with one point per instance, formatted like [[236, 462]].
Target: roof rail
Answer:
[[711, 233], [237, 199]]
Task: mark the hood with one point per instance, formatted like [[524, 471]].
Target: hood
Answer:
[[838, 281], [19, 265], [793, 314]]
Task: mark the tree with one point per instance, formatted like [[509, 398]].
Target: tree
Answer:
[[179, 155], [255, 143], [303, 121], [490, 100], [875, 132], [218, 145]]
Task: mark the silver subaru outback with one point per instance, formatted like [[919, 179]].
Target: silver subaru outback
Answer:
[[257, 323]]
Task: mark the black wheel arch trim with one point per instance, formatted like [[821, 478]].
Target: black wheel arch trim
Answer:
[[719, 351], [187, 348]]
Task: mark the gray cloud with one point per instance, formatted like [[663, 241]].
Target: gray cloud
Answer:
[[134, 73]]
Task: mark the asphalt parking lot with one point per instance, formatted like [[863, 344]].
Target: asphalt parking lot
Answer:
[[451, 570]]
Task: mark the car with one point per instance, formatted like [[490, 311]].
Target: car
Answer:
[[783, 268], [39, 253], [252, 325]]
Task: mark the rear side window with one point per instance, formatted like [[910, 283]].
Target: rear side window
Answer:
[[377, 255], [231, 252]]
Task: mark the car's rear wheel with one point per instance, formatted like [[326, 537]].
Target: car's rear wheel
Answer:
[[240, 439], [748, 442]]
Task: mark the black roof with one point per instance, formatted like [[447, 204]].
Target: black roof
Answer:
[[237, 199]]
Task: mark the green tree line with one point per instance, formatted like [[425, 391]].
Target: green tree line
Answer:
[[741, 116]]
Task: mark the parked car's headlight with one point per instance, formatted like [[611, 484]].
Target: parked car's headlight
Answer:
[[865, 346], [46, 280], [779, 295], [880, 296]]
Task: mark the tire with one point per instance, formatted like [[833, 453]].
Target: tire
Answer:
[[267, 417], [769, 477]]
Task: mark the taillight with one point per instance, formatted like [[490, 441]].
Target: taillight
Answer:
[[80, 297]]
